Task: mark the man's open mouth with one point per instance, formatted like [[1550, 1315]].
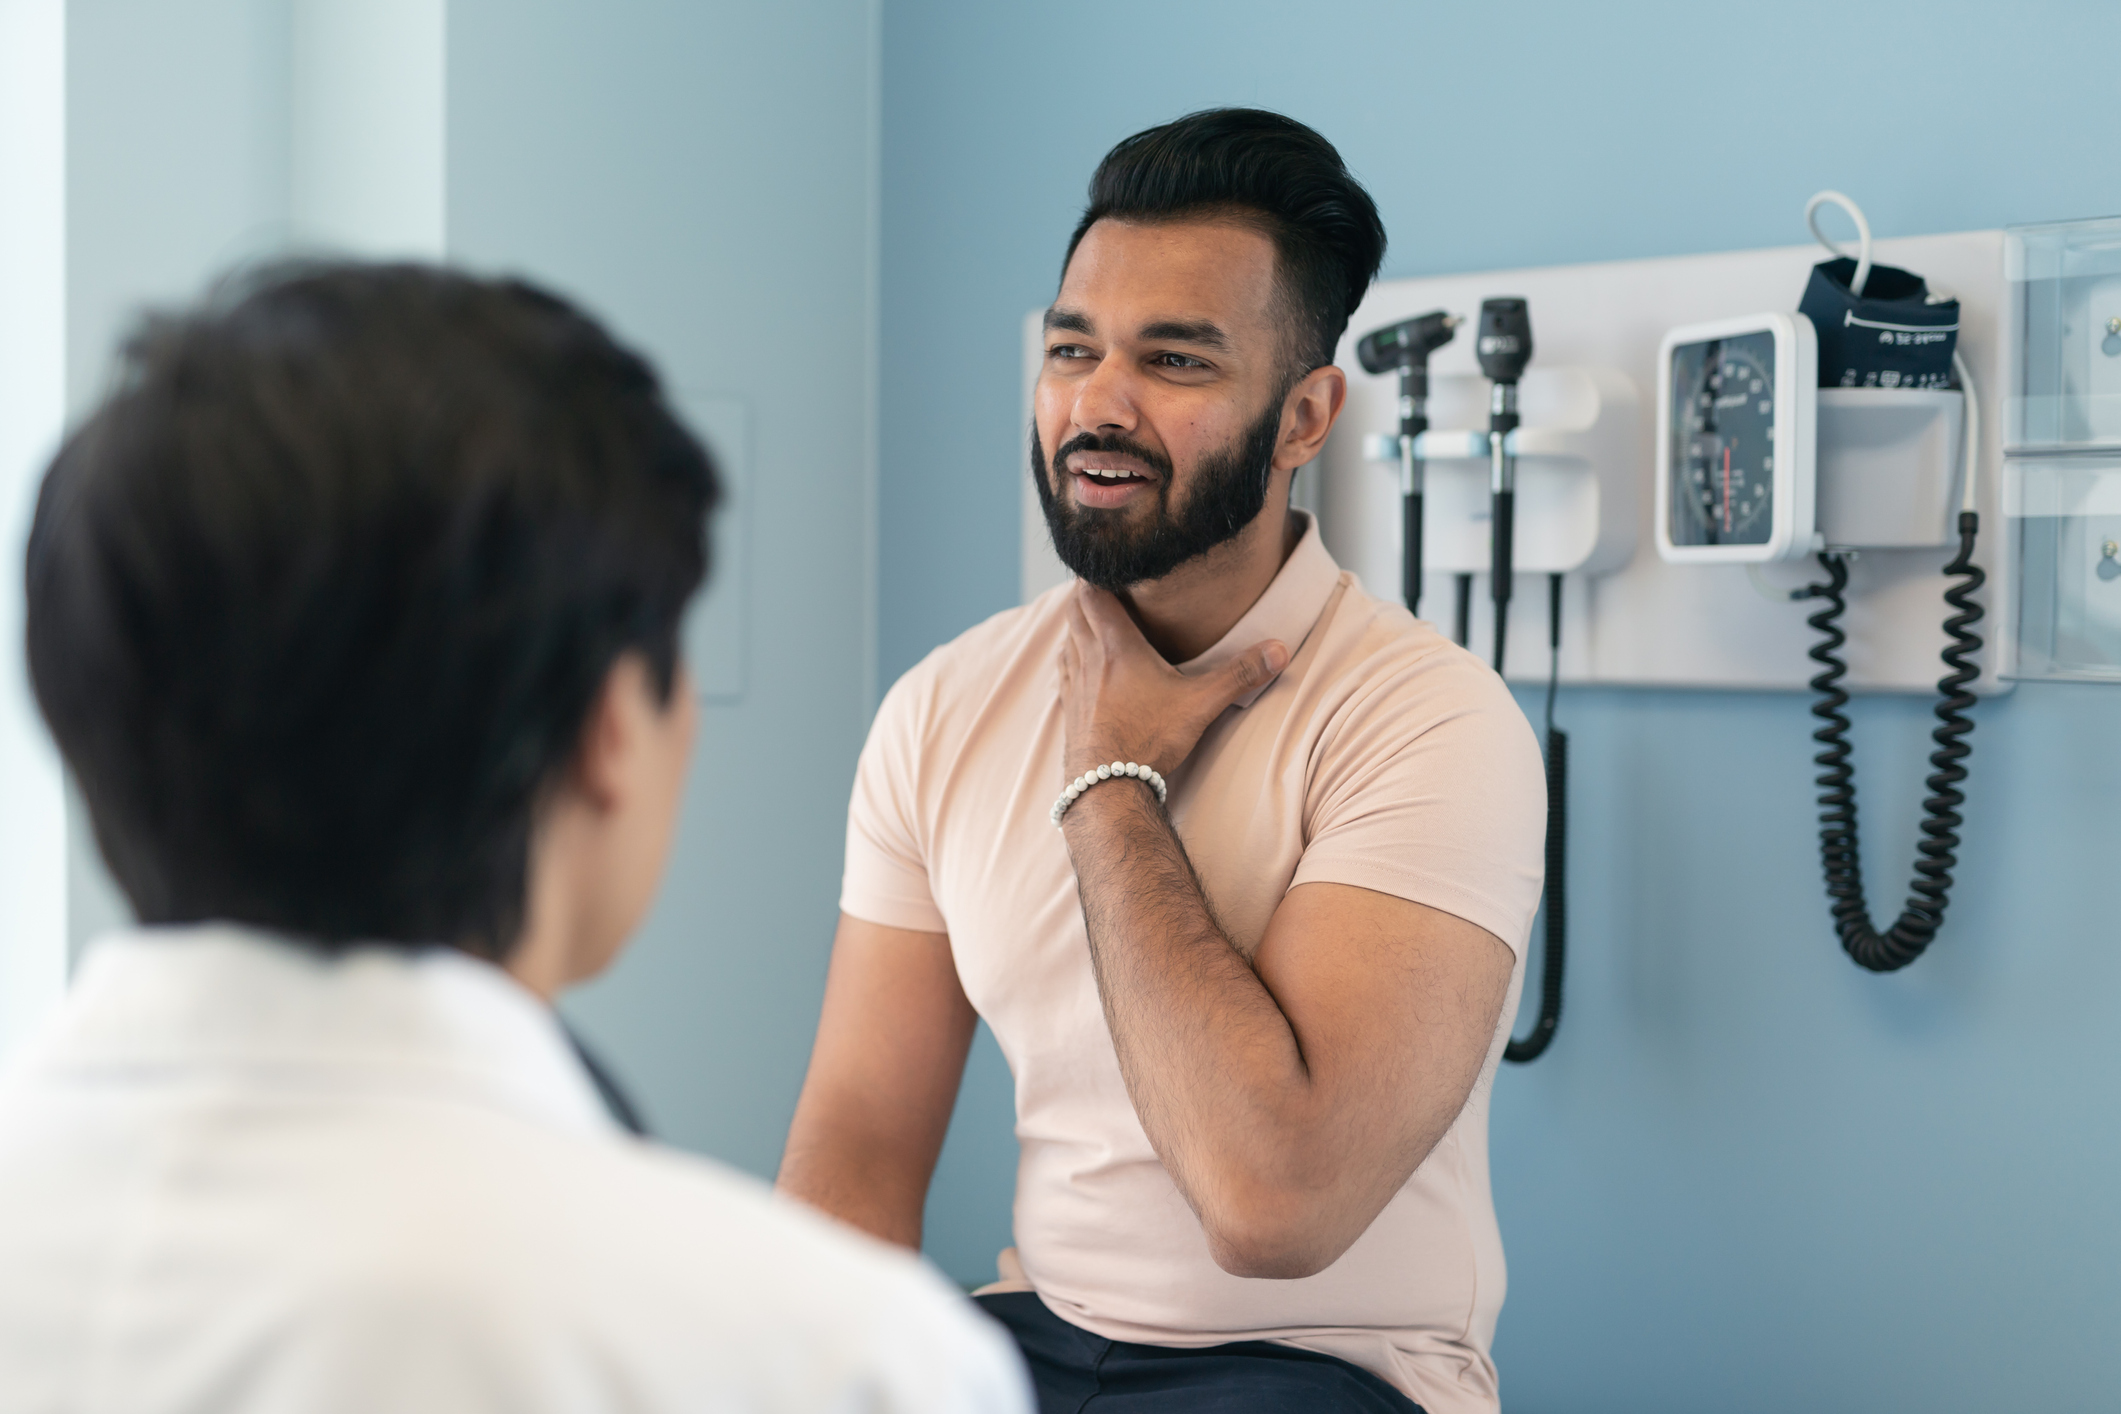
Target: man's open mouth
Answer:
[[1108, 475]]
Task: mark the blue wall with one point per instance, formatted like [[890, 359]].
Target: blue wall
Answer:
[[1748, 1176], [701, 176]]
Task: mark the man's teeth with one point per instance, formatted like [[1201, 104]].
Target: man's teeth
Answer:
[[1108, 473]]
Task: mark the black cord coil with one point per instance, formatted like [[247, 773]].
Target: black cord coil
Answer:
[[1533, 1046], [1928, 893]]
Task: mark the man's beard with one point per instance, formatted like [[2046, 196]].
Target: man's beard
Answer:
[[1228, 493]]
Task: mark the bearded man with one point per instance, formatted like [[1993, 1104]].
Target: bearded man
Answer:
[[1254, 986]]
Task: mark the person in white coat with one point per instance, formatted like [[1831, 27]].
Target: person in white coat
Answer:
[[354, 611]]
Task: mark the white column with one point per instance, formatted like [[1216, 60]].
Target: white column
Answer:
[[32, 411]]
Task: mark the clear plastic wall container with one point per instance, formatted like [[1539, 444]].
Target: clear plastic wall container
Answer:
[[2062, 446], [2066, 513], [2065, 331]]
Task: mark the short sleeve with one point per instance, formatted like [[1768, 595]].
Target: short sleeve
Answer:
[[886, 879], [1430, 788]]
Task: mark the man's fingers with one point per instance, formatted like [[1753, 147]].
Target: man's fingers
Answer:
[[1077, 623], [1254, 668], [1080, 634], [1104, 615]]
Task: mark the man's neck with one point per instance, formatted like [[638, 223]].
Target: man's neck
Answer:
[[1188, 611]]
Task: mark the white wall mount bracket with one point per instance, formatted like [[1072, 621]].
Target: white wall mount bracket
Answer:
[[1576, 462]]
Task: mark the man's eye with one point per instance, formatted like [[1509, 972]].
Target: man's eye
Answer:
[[1067, 351], [1179, 360]]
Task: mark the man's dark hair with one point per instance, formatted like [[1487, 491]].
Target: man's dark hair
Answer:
[[321, 597], [1264, 169]]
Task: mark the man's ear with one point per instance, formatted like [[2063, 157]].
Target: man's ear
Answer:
[[611, 731], [1308, 415]]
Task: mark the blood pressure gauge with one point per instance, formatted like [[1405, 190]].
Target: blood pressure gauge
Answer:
[[1737, 407]]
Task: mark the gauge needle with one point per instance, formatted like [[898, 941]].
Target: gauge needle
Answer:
[[1726, 490]]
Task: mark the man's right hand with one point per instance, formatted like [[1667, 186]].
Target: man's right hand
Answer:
[[891, 1048], [1120, 701]]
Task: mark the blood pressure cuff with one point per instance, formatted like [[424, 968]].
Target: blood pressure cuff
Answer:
[[1890, 336]]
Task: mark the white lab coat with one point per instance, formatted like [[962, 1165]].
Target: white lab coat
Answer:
[[237, 1177]]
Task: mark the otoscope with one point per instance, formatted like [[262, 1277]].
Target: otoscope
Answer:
[[1406, 346], [1504, 349]]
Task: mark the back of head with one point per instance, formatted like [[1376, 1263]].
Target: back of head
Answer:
[[320, 598], [1264, 169]]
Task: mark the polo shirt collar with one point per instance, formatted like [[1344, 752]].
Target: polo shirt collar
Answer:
[[1288, 610]]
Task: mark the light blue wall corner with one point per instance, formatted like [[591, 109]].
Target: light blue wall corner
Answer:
[[176, 157], [1748, 1176], [702, 177]]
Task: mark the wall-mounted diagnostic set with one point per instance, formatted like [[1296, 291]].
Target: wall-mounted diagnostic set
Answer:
[[1844, 428]]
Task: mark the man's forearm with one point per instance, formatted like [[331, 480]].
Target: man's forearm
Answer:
[[891, 1045], [873, 1186], [1210, 1061]]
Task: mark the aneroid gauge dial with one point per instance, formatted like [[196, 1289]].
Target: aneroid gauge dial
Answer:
[[1736, 411]]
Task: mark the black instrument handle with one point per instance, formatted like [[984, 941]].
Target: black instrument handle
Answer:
[[1411, 574], [1499, 573], [1505, 536], [1413, 387]]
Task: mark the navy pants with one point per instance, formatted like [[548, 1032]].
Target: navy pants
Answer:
[[1076, 1372]]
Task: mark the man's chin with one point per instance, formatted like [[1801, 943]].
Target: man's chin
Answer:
[[1115, 562], [1109, 524]]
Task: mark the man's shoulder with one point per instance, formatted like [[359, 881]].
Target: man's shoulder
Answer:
[[1374, 645], [992, 652], [595, 1209], [706, 1209], [667, 1269], [468, 1256]]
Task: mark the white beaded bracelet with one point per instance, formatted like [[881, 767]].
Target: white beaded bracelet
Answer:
[[1088, 779]]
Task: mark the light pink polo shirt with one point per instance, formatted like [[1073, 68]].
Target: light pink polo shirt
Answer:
[[1386, 757]]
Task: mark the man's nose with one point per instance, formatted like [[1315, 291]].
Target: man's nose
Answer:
[[1104, 402]]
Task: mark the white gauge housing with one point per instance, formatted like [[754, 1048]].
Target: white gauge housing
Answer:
[[1783, 476]]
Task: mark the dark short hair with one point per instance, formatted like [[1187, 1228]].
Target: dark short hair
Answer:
[[1266, 169], [321, 596]]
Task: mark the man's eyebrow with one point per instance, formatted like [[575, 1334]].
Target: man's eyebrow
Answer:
[[1068, 320], [1206, 333]]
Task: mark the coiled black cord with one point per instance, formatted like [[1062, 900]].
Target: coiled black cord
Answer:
[[1532, 1047], [1929, 892]]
